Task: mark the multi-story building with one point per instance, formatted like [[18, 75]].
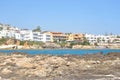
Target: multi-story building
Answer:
[[91, 38], [7, 27], [3, 33], [8, 31], [4, 26], [103, 38], [23, 34], [17, 35], [115, 39], [37, 36], [0, 34], [97, 38], [57, 36], [26, 35], [10, 34], [75, 37]]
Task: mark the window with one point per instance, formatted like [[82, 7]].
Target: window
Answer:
[[35, 38], [47, 38], [47, 35], [40, 38], [34, 34], [40, 35]]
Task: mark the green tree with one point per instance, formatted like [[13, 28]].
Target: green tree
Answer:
[[3, 40], [1, 28], [62, 43], [38, 29], [118, 36], [22, 42], [85, 41], [72, 44]]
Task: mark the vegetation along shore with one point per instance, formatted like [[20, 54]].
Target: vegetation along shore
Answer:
[[6, 43]]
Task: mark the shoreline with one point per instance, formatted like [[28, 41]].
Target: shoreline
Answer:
[[79, 47], [65, 49]]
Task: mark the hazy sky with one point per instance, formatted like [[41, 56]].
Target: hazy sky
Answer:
[[78, 16]]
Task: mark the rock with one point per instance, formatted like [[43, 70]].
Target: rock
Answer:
[[48, 67], [40, 73], [94, 62], [24, 62], [113, 54], [51, 45], [18, 54], [55, 60], [0, 78], [83, 47], [6, 71], [3, 64]]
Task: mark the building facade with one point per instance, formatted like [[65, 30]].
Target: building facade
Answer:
[[75, 37], [97, 38], [26, 35], [57, 36], [37, 36]]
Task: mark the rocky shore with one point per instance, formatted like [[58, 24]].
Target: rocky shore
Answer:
[[21, 66]]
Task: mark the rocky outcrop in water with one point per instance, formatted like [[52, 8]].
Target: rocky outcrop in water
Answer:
[[20, 66]]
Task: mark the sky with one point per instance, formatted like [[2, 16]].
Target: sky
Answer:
[[76, 16]]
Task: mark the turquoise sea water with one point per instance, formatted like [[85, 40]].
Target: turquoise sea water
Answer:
[[62, 51]]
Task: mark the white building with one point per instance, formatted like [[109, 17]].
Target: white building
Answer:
[[7, 27], [0, 34], [9, 34], [4, 26], [26, 35], [98, 38], [37, 36], [3, 33], [115, 38], [17, 36], [8, 31], [91, 38]]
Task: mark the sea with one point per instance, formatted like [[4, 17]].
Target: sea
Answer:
[[62, 51]]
